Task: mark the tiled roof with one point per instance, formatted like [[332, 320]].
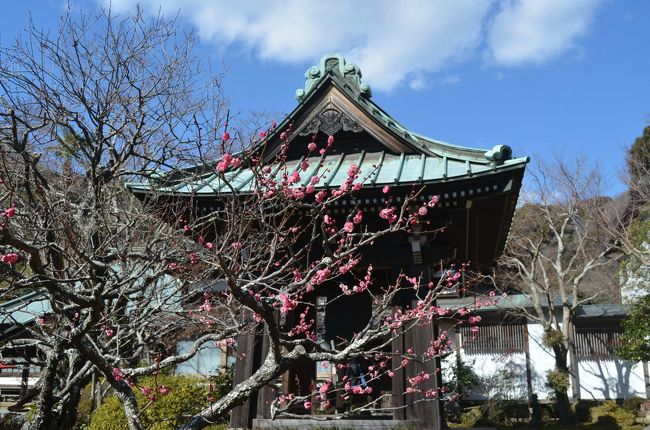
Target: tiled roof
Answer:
[[377, 169], [514, 302], [426, 161], [24, 309]]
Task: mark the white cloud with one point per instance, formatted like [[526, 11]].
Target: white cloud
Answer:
[[450, 80], [534, 31], [418, 83], [394, 41]]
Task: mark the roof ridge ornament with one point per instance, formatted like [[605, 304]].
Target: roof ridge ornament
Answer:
[[334, 64], [499, 153]]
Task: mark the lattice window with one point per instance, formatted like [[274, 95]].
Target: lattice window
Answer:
[[494, 339], [596, 342]]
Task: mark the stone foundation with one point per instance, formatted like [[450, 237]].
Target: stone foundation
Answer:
[[305, 424]]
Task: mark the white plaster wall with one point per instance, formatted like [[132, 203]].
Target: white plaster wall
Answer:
[[492, 368], [541, 360], [15, 381], [502, 376], [610, 379]]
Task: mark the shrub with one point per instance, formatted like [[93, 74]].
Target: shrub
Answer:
[[632, 404], [503, 411], [460, 376], [471, 416], [609, 410], [187, 395]]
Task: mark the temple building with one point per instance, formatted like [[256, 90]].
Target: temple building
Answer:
[[478, 192]]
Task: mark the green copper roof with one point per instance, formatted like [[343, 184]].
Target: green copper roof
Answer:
[[424, 160], [24, 309], [377, 169], [517, 302]]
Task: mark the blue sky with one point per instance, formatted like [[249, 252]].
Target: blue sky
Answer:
[[547, 77]]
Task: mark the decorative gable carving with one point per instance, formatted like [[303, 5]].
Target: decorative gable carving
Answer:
[[330, 121]]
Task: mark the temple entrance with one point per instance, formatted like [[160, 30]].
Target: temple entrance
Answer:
[[338, 318]]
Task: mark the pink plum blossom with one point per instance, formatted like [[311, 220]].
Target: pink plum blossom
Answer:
[[434, 201], [9, 212], [388, 214], [117, 374], [294, 178], [10, 258], [286, 303]]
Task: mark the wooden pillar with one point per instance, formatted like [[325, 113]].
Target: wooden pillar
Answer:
[[266, 394], [437, 411], [398, 380], [240, 417], [429, 414]]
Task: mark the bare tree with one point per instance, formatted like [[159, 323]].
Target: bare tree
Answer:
[[555, 245], [113, 99]]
